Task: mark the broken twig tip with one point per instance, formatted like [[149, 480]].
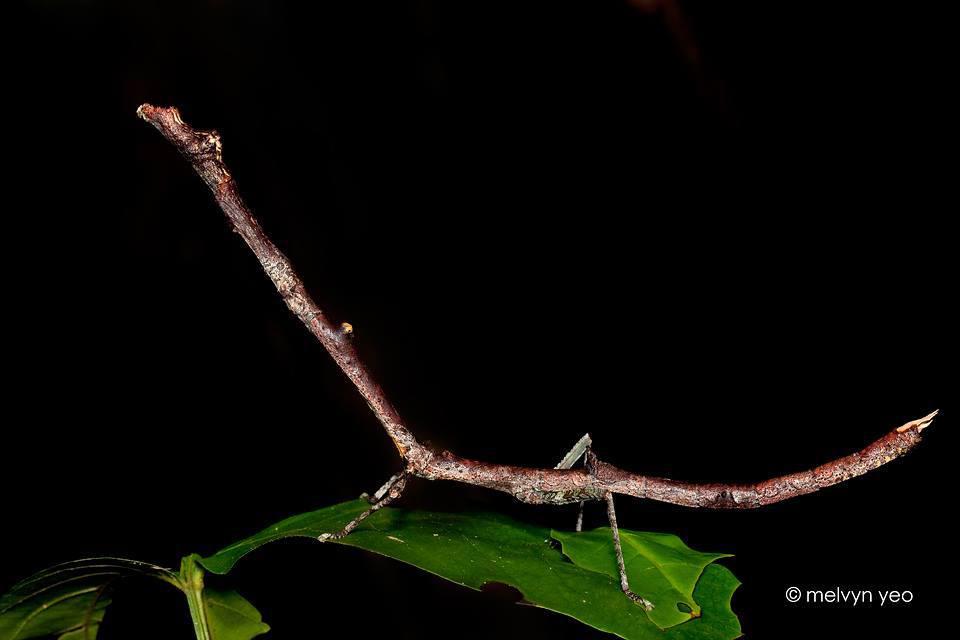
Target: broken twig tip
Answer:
[[920, 424]]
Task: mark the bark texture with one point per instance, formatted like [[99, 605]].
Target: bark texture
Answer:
[[204, 151]]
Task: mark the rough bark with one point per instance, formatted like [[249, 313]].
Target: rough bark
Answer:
[[203, 149]]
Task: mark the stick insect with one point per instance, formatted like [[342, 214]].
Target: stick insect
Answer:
[[595, 481]]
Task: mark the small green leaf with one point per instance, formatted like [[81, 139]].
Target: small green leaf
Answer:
[[68, 600], [473, 549], [232, 617], [660, 567], [218, 614]]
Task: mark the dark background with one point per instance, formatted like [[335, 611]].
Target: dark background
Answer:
[[722, 248]]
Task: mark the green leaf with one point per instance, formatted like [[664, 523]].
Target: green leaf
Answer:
[[68, 600], [474, 549], [660, 567], [717, 620], [218, 614], [232, 617]]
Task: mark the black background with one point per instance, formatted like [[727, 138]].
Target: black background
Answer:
[[541, 220]]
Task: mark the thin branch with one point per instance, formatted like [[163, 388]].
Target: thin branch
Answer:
[[203, 150]]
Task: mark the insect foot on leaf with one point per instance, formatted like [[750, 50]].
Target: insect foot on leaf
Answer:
[[389, 492], [640, 600]]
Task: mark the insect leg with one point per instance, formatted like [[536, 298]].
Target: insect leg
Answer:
[[580, 450], [382, 491], [624, 584], [387, 494]]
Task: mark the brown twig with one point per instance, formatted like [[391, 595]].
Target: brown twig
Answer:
[[594, 482], [561, 485]]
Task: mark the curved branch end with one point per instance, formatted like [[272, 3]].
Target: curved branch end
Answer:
[[919, 424]]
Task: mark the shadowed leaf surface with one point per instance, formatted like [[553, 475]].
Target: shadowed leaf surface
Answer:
[[69, 600]]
